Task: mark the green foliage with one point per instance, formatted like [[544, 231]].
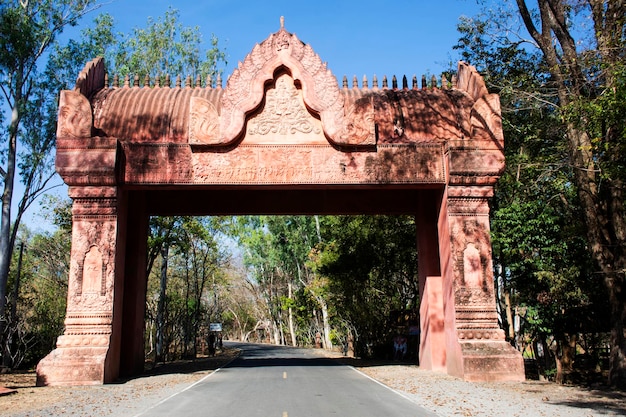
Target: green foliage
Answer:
[[163, 47], [42, 292], [371, 266], [17, 38], [602, 115], [357, 269], [275, 251]]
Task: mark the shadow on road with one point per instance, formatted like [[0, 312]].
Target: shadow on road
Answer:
[[248, 362], [189, 366], [366, 363]]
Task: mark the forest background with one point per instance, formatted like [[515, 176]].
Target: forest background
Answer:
[[558, 224]]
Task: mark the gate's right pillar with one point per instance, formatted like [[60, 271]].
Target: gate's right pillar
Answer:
[[476, 349]]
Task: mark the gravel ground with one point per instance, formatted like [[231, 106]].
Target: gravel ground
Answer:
[[444, 395], [447, 396]]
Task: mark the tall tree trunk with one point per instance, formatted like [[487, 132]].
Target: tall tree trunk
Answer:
[[509, 314], [558, 378], [565, 355], [277, 332], [6, 248], [328, 344], [160, 325], [10, 331], [241, 330], [292, 331]]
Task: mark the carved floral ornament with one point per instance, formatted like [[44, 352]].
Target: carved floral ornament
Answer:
[[281, 53]]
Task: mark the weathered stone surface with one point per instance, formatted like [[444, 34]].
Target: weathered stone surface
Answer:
[[320, 164], [281, 137]]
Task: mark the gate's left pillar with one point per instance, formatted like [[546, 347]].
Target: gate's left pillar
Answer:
[[88, 351]]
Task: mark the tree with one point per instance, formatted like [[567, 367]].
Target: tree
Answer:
[[293, 239], [262, 258], [196, 265], [164, 233], [244, 309], [579, 86], [370, 263], [27, 31], [357, 272], [595, 138], [165, 47], [275, 251]]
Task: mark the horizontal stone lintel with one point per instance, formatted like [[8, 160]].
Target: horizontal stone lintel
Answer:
[[159, 163], [417, 163]]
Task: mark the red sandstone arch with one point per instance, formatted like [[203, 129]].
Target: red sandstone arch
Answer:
[[280, 138]]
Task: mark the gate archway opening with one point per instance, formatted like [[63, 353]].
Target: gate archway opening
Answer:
[[281, 138]]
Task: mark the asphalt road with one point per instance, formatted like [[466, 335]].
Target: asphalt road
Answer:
[[273, 381]]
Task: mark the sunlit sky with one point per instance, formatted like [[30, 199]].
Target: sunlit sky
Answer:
[[404, 37]]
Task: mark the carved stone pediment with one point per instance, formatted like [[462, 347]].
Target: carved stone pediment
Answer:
[[280, 55]]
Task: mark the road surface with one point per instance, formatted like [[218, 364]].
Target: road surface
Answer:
[[277, 381]]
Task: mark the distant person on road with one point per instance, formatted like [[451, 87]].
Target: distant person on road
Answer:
[[399, 347], [212, 344]]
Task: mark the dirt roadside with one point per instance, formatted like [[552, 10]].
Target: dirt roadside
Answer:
[[125, 398]]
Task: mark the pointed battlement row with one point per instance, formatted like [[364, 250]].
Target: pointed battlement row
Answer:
[[444, 84], [201, 82], [209, 82]]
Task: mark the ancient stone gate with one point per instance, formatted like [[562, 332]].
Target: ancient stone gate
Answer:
[[281, 138]]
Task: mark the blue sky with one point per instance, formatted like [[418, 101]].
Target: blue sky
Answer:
[[407, 37]]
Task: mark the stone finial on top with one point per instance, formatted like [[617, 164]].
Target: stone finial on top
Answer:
[[282, 22]]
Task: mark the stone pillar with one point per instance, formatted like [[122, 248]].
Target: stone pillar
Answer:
[[88, 351], [476, 348], [135, 237], [432, 352]]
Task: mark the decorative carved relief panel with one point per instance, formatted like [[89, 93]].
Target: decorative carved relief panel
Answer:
[[284, 118], [92, 268], [476, 317]]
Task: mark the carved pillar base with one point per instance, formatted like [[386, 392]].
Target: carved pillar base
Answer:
[[491, 360], [486, 355], [73, 365], [81, 353]]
